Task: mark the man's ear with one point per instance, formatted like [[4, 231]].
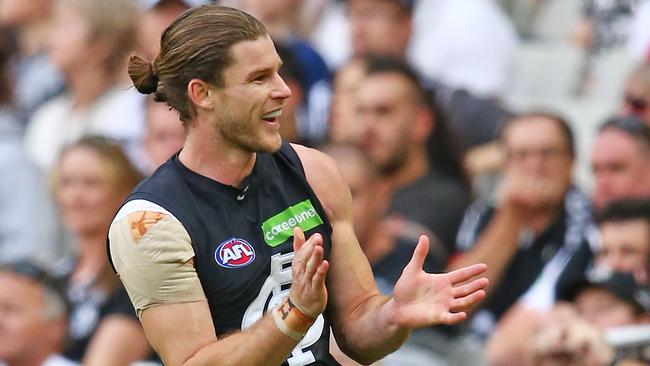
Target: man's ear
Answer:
[[201, 94], [423, 125]]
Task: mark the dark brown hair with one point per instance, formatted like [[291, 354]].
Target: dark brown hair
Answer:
[[195, 46], [443, 150]]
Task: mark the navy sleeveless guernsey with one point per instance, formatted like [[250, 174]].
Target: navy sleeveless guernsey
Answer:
[[243, 242]]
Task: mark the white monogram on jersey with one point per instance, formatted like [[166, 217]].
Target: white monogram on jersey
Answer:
[[272, 294]]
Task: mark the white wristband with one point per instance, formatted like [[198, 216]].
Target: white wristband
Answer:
[[279, 322]]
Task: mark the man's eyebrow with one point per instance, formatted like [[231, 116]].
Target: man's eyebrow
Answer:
[[263, 70]]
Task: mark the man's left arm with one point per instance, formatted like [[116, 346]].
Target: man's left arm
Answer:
[[366, 324]]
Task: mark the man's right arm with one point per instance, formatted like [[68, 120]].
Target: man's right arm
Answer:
[[183, 334], [154, 257], [495, 246], [522, 201]]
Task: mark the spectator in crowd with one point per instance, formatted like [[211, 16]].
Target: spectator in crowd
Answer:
[[385, 28], [156, 16], [636, 100], [412, 147], [91, 179], [388, 250], [625, 236], [604, 25], [33, 316], [621, 161], [625, 247], [602, 302], [89, 43], [35, 78], [343, 125], [164, 134], [609, 299], [27, 223], [380, 27], [572, 333], [534, 226], [280, 18]]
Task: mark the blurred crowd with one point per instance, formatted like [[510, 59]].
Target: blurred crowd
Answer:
[[512, 132]]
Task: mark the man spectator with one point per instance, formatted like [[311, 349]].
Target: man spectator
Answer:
[[163, 137], [621, 161], [412, 148], [536, 223], [602, 298], [575, 335], [33, 317], [385, 28], [388, 251], [156, 16], [625, 236]]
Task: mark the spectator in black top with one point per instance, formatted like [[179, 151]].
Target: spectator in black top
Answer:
[[410, 143], [535, 224]]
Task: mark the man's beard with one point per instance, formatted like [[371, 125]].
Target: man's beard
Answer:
[[244, 134], [394, 164]]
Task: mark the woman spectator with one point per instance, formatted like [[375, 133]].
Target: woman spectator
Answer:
[[89, 44], [90, 181]]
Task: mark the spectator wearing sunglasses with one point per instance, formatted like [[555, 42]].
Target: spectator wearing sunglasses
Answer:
[[636, 100], [621, 160], [33, 316]]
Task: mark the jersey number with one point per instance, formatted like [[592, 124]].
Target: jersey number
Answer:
[[272, 289]]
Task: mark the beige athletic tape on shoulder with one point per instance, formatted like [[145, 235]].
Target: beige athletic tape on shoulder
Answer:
[[151, 253]]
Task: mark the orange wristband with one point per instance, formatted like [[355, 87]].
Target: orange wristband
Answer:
[[290, 320]]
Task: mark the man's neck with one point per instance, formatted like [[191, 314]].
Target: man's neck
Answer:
[[207, 154], [416, 166]]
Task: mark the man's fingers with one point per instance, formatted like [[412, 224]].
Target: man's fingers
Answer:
[[314, 260], [468, 288], [464, 303], [419, 254], [453, 318], [465, 273], [318, 280], [298, 239]]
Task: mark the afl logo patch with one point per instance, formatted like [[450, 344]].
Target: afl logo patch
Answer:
[[234, 253]]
